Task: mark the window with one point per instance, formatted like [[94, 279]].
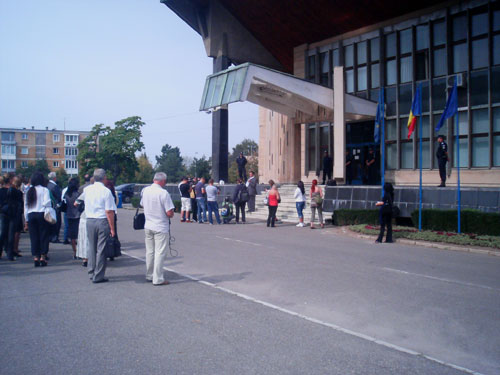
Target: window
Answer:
[[425, 155], [362, 78], [439, 62], [24, 164], [8, 164], [349, 78], [24, 136], [478, 87], [390, 45], [463, 129], [55, 138], [55, 164], [390, 100], [496, 50], [439, 33], [405, 99], [425, 96], [391, 130], [311, 68], [496, 138], [443, 130], [479, 24], [407, 155], [361, 53], [71, 151], [71, 138], [480, 53], [391, 151], [422, 37], [426, 127], [421, 65], [406, 69], [55, 151], [375, 68], [24, 150], [71, 164], [349, 55], [375, 49], [312, 148], [438, 94], [336, 57], [8, 137], [495, 84], [480, 141], [8, 150], [390, 72], [405, 41], [480, 122], [325, 67], [460, 58], [459, 28]]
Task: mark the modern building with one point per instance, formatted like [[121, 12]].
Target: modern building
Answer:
[[316, 67], [22, 147]]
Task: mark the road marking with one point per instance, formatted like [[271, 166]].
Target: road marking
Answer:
[[240, 241], [317, 321], [441, 279]]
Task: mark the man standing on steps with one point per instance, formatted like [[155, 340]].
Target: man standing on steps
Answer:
[[327, 167], [242, 161], [442, 156], [252, 191]]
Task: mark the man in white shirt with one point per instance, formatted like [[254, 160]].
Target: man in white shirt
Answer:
[[100, 210], [158, 209]]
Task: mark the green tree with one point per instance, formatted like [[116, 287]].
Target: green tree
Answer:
[[200, 168], [62, 177], [113, 149], [170, 162], [146, 172], [40, 166], [250, 150]]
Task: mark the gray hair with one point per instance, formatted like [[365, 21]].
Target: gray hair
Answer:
[[52, 175], [99, 175], [160, 176]]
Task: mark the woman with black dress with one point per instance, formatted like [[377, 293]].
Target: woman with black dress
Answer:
[[72, 212], [386, 213]]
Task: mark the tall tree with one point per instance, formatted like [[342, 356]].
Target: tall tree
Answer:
[[250, 150], [200, 167], [146, 172], [113, 149], [38, 166], [62, 177], [170, 162]]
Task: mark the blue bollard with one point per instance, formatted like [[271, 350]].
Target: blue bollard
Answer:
[[120, 200]]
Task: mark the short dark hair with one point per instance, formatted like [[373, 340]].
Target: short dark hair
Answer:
[[440, 136]]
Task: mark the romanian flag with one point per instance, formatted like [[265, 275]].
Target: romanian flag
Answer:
[[415, 111]]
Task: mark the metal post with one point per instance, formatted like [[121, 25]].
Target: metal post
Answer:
[[382, 143], [420, 164], [458, 167]]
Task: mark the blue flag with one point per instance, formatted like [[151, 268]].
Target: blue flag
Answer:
[[451, 107], [379, 117]]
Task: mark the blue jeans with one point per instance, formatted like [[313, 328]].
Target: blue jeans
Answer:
[[201, 208], [213, 207], [300, 207]]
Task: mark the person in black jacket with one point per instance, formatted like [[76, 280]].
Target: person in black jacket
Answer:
[[442, 157], [56, 192], [327, 167], [16, 210], [4, 215], [242, 161], [386, 213], [240, 199]]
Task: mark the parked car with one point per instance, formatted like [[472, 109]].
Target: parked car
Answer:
[[127, 192]]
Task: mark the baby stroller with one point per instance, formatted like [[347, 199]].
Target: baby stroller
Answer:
[[227, 210]]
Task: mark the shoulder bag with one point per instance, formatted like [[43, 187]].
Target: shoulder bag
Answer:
[[50, 215], [139, 220], [112, 248]]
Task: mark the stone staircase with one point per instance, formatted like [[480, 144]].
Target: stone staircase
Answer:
[[286, 209]]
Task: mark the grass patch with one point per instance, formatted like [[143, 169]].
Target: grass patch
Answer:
[[433, 236]]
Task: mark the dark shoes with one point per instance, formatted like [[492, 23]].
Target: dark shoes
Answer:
[[43, 263], [37, 263], [84, 264], [163, 283], [100, 281], [66, 242]]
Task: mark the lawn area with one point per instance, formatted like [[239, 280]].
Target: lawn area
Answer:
[[467, 239]]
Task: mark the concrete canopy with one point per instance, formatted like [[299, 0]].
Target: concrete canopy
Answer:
[[280, 92]]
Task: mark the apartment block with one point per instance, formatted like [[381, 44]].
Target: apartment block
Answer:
[[22, 147]]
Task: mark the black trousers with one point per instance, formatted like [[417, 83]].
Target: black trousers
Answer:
[[39, 234], [271, 218], [442, 169], [242, 173], [240, 206], [325, 174], [385, 220], [55, 228], [4, 233]]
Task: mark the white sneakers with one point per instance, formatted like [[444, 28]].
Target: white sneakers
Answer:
[[300, 225]]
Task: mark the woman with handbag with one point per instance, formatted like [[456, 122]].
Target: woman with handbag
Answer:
[[36, 204], [72, 212], [273, 199], [386, 213], [316, 203]]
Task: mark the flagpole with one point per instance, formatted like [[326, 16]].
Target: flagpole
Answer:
[[458, 168], [383, 142], [420, 131]]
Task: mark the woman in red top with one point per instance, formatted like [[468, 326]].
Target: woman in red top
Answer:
[[273, 198]]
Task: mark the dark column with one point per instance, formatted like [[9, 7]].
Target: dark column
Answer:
[[220, 143]]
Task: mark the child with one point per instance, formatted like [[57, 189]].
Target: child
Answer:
[[227, 210]]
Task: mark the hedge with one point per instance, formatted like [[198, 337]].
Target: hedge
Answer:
[[352, 217], [471, 221]]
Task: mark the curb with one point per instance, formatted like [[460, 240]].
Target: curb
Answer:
[[435, 245]]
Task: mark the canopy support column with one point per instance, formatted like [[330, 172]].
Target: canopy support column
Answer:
[[220, 134]]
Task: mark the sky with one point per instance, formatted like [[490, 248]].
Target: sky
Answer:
[[79, 63]]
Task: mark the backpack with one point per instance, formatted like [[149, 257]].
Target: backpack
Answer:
[[243, 195]]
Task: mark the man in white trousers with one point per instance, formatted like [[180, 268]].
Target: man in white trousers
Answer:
[[158, 208]]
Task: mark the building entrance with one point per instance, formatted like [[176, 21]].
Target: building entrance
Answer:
[[359, 141]]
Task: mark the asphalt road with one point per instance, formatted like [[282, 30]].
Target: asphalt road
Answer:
[[246, 299]]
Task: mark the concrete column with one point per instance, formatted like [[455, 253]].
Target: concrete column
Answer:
[[338, 123], [220, 140]]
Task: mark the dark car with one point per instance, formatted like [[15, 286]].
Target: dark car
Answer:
[[127, 192]]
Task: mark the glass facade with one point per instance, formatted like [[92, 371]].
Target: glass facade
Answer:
[[430, 53]]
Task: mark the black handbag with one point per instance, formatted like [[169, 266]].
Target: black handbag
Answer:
[[139, 220], [113, 247]]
